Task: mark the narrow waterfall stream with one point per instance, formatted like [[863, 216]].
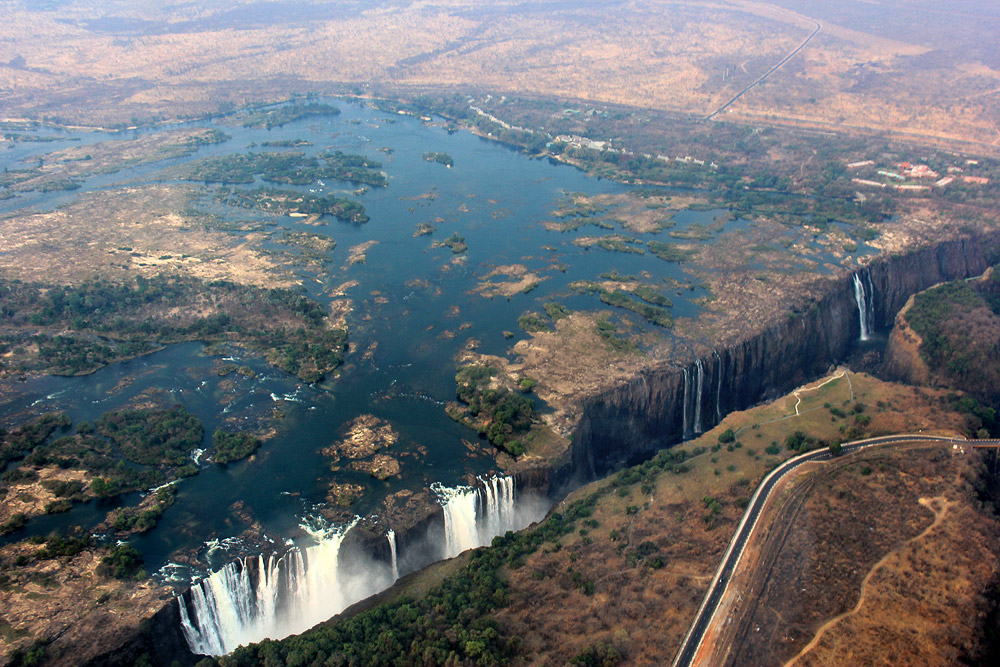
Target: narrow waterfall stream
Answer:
[[864, 296], [697, 400], [391, 536]]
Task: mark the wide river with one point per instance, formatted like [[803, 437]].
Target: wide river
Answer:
[[415, 309]]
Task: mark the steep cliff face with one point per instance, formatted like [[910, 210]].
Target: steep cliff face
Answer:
[[656, 409], [902, 361], [665, 404], [898, 277], [159, 639]]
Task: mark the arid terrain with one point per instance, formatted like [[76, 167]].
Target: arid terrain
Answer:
[[903, 581], [875, 66], [748, 166], [650, 537]]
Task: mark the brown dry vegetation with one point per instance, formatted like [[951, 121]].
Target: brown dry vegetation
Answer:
[[871, 69], [117, 234], [904, 584], [902, 359], [643, 607], [949, 336], [742, 293], [111, 156], [573, 361], [30, 497], [66, 599], [519, 280]]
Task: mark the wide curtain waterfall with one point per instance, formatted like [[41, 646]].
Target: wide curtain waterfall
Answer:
[[275, 596], [474, 515], [272, 597]]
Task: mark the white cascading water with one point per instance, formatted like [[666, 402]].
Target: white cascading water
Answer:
[[257, 598], [866, 304], [685, 432], [474, 515], [460, 531], [499, 503], [697, 400], [276, 596], [391, 536]]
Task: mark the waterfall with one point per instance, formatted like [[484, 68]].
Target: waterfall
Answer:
[[474, 515], [864, 296], [718, 387], [260, 597], [697, 404], [459, 518], [499, 496], [685, 432], [391, 536], [256, 598]]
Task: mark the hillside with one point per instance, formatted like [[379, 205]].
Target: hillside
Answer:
[[582, 585], [949, 336]]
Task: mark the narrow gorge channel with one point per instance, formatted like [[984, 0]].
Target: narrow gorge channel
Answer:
[[668, 404]]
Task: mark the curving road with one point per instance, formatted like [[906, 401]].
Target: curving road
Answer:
[[695, 635]]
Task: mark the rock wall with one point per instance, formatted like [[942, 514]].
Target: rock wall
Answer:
[[901, 361], [633, 420], [629, 422], [159, 639]]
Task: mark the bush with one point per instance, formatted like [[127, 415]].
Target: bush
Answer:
[[727, 436], [598, 655], [123, 562], [233, 446], [16, 522]]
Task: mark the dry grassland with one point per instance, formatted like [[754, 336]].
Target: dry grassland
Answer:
[[903, 584], [643, 607], [116, 234], [84, 612], [680, 56]]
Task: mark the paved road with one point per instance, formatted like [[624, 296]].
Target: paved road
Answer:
[[695, 636], [766, 74]]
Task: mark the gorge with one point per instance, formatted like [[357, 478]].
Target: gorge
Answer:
[[624, 425], [375, 440]]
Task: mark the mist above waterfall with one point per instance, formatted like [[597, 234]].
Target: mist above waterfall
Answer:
[[272, 597], [474, 515], [260, 597]]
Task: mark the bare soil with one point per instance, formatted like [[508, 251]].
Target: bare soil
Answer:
[[65, 600], [117, 234], [679, 56], [909, 576]]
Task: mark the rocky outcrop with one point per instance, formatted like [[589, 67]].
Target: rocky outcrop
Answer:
[[663, 404]]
